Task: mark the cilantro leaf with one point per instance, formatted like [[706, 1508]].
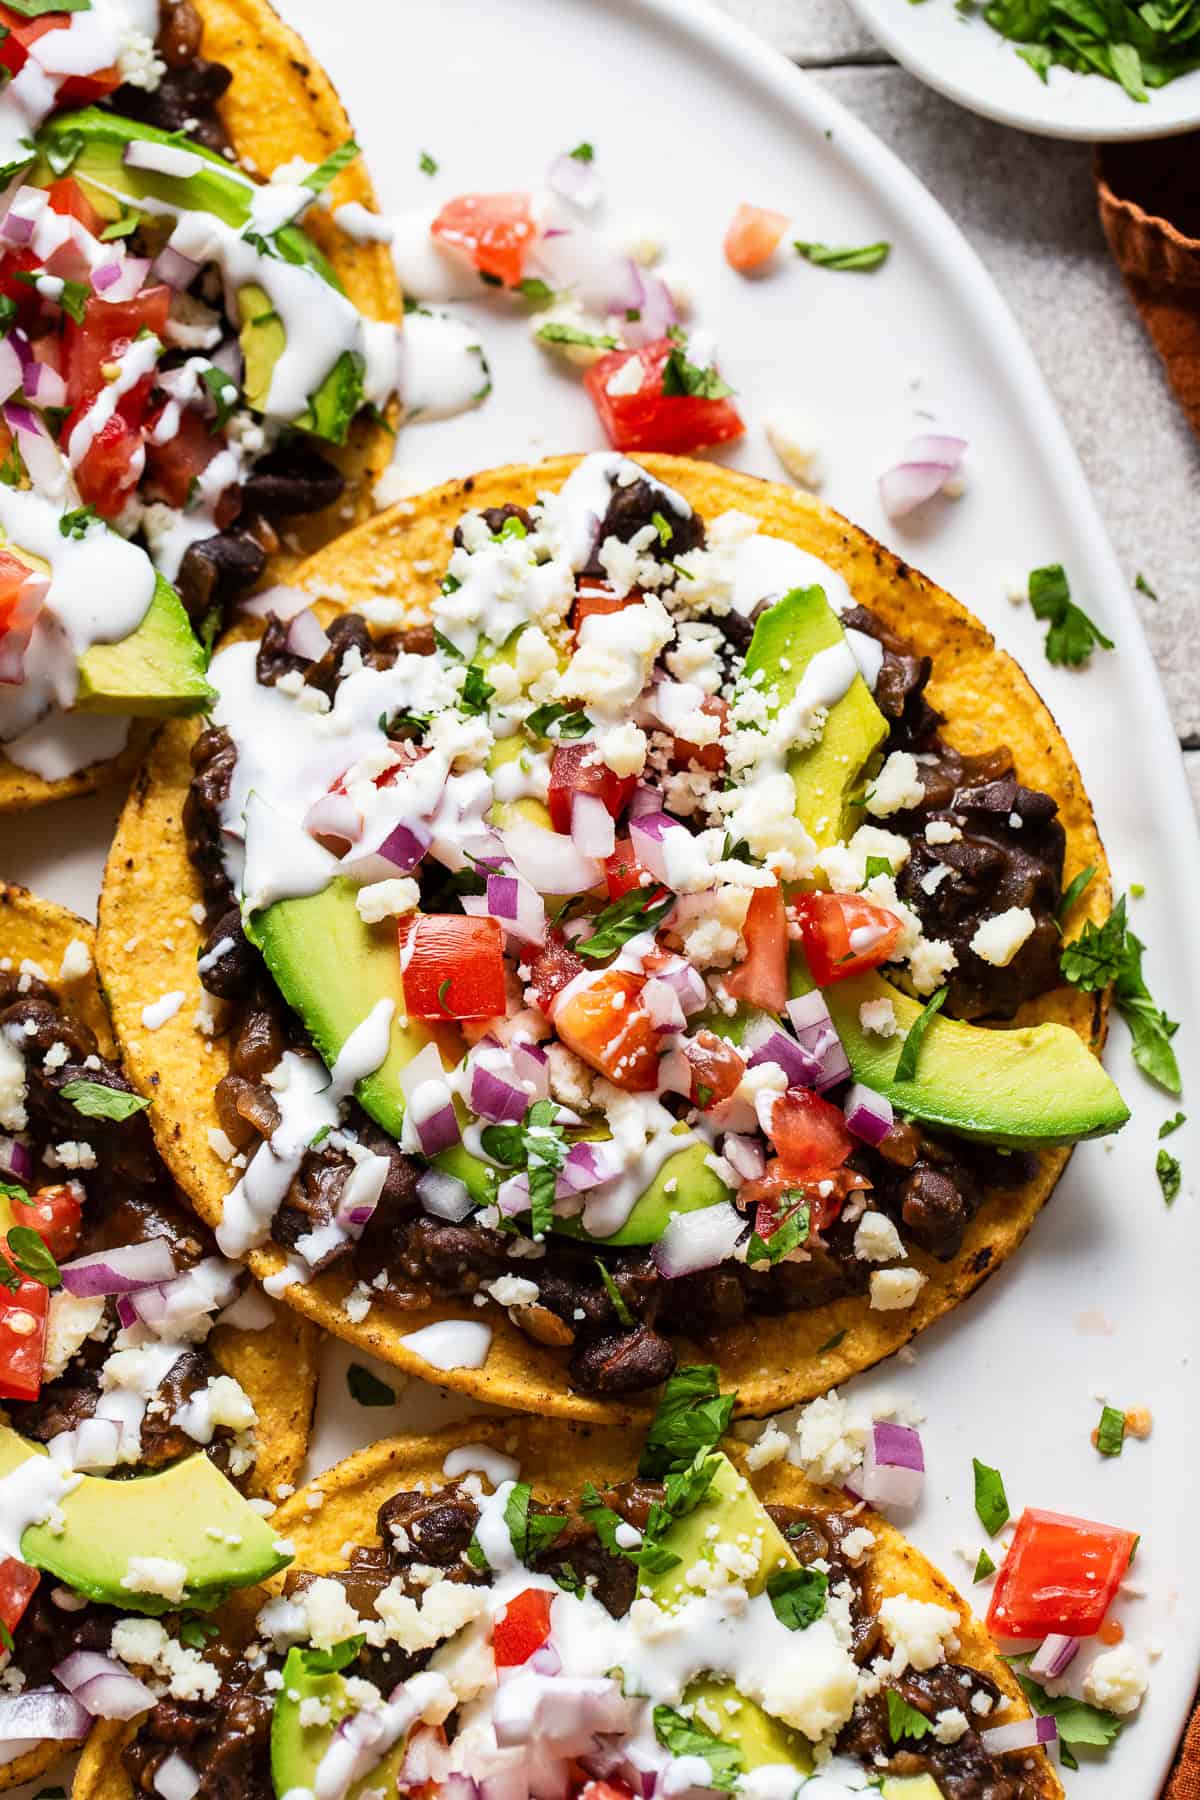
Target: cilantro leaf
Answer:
[[95, 1101], [554, 331], [12, 469], [991, 1502], [331, 1661], [860, 258], [32, 1256], [570, 724], [1074, 890], [62, 150], [444, 644], [904, 1721], [878, 865], [367, 1388], [1110, 1433], [686, 1737], [123, 227], [197, 1631], [318, 179], [664, 528], [692, 1416], [623, 920], [797, 1596], [532, 287], [906, 1065], [831, 1343], [616, 1298], [74, 298], [983, 1567], [1112, 953], [583, 153], [1173, 1124], [1093, 959], [679, 376], [224, 393], [476, 691], [1078, 1723], [787, 1236], [75, 524], [1143, 586], [1072, 634], [1170, 1174], [427, 164], [476, 1555], [530, 1533]]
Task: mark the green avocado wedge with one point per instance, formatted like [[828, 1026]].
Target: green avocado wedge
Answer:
[[214, 185], [1019, 1088], [158, 671], [297, 1749], [333, 968], [187, 1513], [826, 774]]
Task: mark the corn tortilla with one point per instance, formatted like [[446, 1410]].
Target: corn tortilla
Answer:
[[773, 1361], [557, 1460], [279, 105], [277, 1366]]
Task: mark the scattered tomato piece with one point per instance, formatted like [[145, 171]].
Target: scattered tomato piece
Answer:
[[623, 872], [595, 597], [753, 237], [522, 1628], [716, 1068], [809, 1133], [452, 967], [605, 1023], [494, 230], [577, 769], [842, 934], [648, 419], [1061, 1574], [23, 1312], [552, 969], [706, 756], [760, 979], [55, 1214], [18, 1584], [13, 576]]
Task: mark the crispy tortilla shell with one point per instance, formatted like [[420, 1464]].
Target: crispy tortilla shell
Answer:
[[279, 105], [557, 1460], [773, 1361], [277, 1366]]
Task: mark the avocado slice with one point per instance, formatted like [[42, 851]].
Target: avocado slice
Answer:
[[529, 807], [332, 968], [332, 407], [158, 671], [910, 1787], [188, 1513], [1036, 1084], [297, 1749], [827, 773], [740, 1517]]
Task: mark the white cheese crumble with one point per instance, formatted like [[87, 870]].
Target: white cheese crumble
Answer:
[[155, 1575], [998, 939], [877, 1239], [897, 786], [790, 439], [387, 899], [1117, 1680], [892, 1290], [878, 1017]]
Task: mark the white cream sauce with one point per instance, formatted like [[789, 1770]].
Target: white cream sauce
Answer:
[[451, 1343]]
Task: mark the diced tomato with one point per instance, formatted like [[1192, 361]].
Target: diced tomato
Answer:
[[826, 1195], [22, 33], [760, 979], [552, 969], [112, 464], [67, 197], [494, 230], [716, 1068], [522, 1627], [13, 576], [842, 933], [648, 419], [753, 236], [605, 1790], [18, 1584], [1060, 1575], [606, 1024], [55, 1214], [577, 769], [102, 337], [624, 872], [23, 1314], [452, 967], [809, 1133], [595, 597], [707, 756], [172, 467]]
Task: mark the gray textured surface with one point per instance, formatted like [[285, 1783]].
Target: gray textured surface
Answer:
[[1028, 206]]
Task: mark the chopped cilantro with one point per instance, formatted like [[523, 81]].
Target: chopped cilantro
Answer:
[[878, 865], [983, 1567], [196, 1631], [32, 1256], [1170, 1174], [443, 990], [664, 528], [6, 1642], [692, 1416], [904, 1721], [532, 287], [1074, 890], [1112, 953], [476, 691], [8, 314], [1143, 586], [1078, 1723], [224, 393], [616, 1298], [62, 149], [991, 1502], [797, 1596], [583, 153], [75, 524], [554, 331], [1072, 635], [831, 1343], [427, 164], [37, 9], [1110, 1433], [443, 643], [95, 1101], [12, 469], [530, 1533], [123, 227], [1172, 1124], [476, 1555], [568, 1579], [686, 1737], [538, 1146], [367, 1388], [624, 919], [570, 724], [74, 298], [860, 257], [906, 1066], [787, 1236], [679, 376], [331, 1661], [1138, 46], [318, 1137]]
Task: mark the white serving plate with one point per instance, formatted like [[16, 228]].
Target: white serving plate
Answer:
[[967, 61], [691, 115]]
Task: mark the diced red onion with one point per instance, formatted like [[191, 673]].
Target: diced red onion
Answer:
[[43, 385], [518, 906], [495, 1093], [399, 854], [456, 1786], [104, 1687], [661, 1001], [503, 1775], [698, 1240], [1022, 1734], [228, 357], [532, 1066], [437, 1130], [512, 1196], [38, 450], [426, 1757], [927, 464], [360, 1194], [802, 1069], [817, 1034], [12, 373], [121, 1270], [869, 1115], [175, 1778], [657, 311], [893, 1471], [592, 829], [122, 278], [25, 209], [583, 263], [284, 602], [549, 861], [647, 832], [687, 982], [16, 1158], [588, 1164], [645, 800], [744, 1155], [444, 1195], [43, 1712], [175, 269], [575, 180], [127, 1312], [334, 816], [563, 1711], [1053, 1656], [306, 635], [546, 1661]]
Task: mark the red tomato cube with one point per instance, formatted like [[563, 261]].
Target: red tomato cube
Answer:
[[1060, 1575], [648, 419], [452, 967]]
